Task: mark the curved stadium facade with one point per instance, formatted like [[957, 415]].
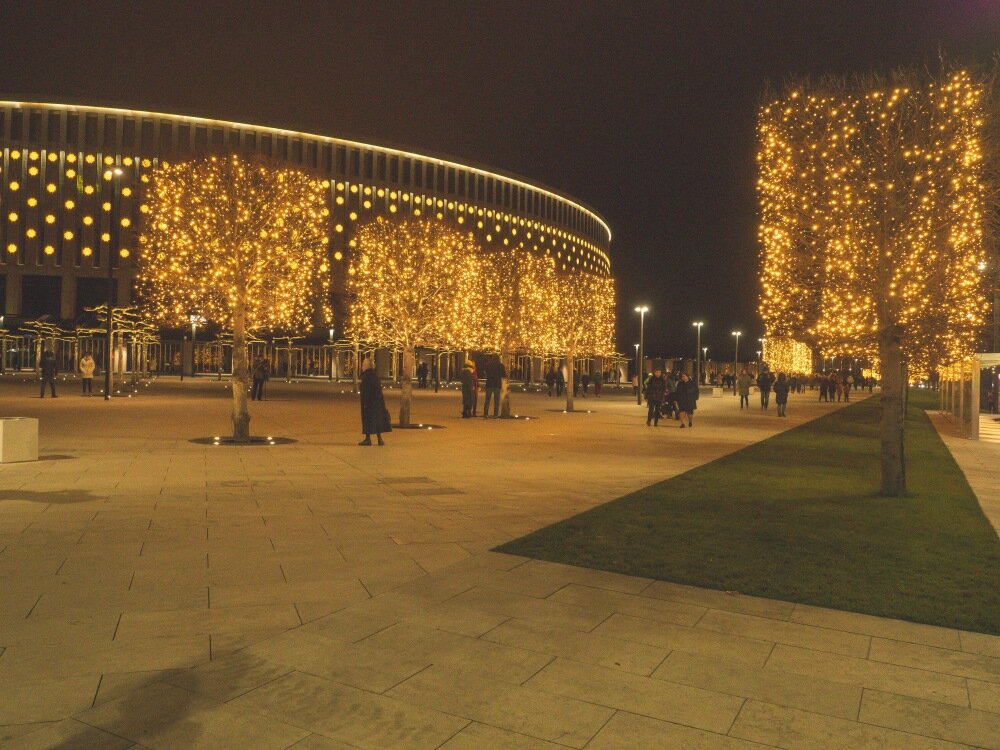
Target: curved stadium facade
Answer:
[[61, 224]]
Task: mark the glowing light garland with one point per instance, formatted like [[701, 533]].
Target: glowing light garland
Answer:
[[787, 355], [872, 217]]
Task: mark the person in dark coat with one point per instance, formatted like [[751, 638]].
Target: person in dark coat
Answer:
[[781, 388], [466, 378], [261, 372], [560, 381], [550, 379], [656, 390], [687, 398], [764, 386], [47, 365], [495, 373], [374, 415]]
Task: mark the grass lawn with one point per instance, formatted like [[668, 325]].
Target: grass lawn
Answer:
[[796, 517]]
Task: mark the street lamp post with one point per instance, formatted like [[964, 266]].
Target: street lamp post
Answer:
[[642, 310], [697, 354], [195, 320], [736, 358], [704, 359], [113, 247], [758, 363]]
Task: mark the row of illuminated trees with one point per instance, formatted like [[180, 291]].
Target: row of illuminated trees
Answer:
[[246, 243], [877, 214]]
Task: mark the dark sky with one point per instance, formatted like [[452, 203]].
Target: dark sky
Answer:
[[645, 111]]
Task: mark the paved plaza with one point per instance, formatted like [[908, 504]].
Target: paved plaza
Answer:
[[162, 594]]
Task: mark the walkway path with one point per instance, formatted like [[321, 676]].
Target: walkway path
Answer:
[[161, 594], [978, 459]]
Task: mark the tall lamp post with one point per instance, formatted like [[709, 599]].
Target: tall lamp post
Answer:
[[704, 360], [697, 354], [113, 247], [758, 363], [736, 358], [642, 310]]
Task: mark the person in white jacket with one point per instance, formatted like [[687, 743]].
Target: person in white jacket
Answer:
[[87, 367]]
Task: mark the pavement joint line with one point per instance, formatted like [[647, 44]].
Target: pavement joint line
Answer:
[[97, 690], [612, 614], [614, 713], [660, 664]]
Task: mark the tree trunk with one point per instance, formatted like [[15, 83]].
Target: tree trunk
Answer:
[[241, 378], [569, 381], [892, 421], [406, 387], [504, 388]]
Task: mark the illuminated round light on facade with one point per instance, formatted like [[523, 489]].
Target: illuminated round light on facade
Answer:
[[51, 187], [71, 173], [70, 204], [339, 228], [392, 194], [340, 187], [496, 228], [439, 215], [67, 235], [416, 212], [144, 208], [368, 190], [33, 171], [15, 154], [71, 158], [461, 219], [86, 252], [418, 199], [351, 243], [354, 189], [12, 216], [353, 216], [50, 219], [105, 237], [479, 225], [11, 248], [147, 163], [489, 238], [88, 220], [126, 222], [406, 196], [340, 200], [126, 192], [31, 234], [32, 201], [451, 205], [89, 158], [338, 255], [440, 203], [392, 208], [108, 174], [127, 161], [53, 156], [367, 204], [88, 189], [123, 252], [109, 160], [380, 193], [33, 156], [49, 250], [106, 205]]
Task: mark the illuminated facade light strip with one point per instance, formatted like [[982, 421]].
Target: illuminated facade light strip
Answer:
[[321, 138]]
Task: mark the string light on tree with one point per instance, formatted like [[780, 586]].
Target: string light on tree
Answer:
[[241, 243]]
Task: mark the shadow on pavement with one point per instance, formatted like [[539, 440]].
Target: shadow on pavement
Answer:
[[55, 496]]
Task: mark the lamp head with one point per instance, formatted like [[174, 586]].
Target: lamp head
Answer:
[[642, 309], [737, 333]]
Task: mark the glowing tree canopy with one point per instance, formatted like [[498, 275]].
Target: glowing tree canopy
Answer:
[[240, 243], [413, 283], [787, 355], [586, 319], [872, 205]]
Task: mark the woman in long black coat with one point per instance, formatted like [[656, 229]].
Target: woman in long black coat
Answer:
[[686, 396], [374, 415]]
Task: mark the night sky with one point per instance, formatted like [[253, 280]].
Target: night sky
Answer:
[[644, 111]]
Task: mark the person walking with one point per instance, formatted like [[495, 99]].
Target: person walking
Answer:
[[422, 375], [743, 383], [687, 398], [495, 373], [656, 389], [560, 382], [475, 387], [598, 381], [781, 388], [764, 386], [824, 387], [374, 415], [848, 385], [47, 365], [259, 375], [87, 367], [468, 393], [550, 378]]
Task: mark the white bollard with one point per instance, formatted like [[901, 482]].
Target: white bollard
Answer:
[[18, 439]]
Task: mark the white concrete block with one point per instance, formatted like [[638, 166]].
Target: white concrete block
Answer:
[[18, 439]]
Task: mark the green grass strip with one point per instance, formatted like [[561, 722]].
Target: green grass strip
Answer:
[[795, 517]]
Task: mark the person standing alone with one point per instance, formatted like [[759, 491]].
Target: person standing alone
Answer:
[[743, 383], [495, 373], [47, 365], [374, 415], [87, 367], [781, 388], [687, 398], [260, 375]]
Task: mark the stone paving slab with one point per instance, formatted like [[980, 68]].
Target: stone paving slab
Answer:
[[162, 594]]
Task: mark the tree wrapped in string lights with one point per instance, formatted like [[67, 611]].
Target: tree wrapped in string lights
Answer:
[[241, 243], [585, 323], [873, 206], [413, 283], [518, 295]]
